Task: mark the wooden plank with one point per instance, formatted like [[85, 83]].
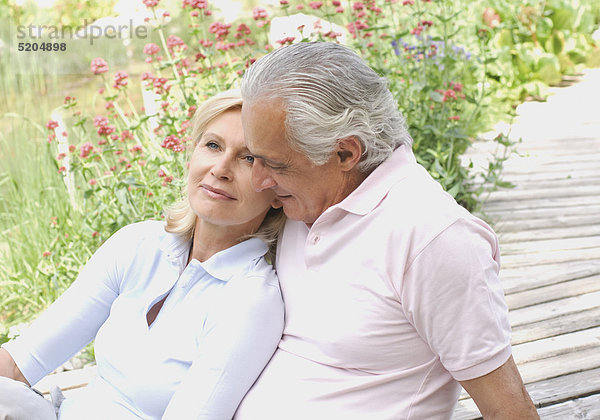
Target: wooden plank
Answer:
[[554, 309], [517, 194], [552, 233], [553, 256], [508, 206], [575, 321], [543, 393], [553, 292], [552, 367], [563, 388], [556, 346], [543, 212], [548, 177], [67, 380], [587, 408], [504, 224], [545, 245], [526, 278]]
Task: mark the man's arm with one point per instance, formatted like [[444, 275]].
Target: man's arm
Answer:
[[9, 368], [501, 394]]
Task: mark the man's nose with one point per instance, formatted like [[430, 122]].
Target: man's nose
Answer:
[[261, 180]]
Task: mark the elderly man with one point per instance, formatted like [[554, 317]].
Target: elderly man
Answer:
[[391, 288]]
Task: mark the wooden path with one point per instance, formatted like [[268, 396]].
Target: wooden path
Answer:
[[549, 230]]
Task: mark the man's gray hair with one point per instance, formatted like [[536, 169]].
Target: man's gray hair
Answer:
[[329, 93]]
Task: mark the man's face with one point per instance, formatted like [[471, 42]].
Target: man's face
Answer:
[[304, 190]]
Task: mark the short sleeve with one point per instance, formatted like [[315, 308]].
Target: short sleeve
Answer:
[[452, 295]]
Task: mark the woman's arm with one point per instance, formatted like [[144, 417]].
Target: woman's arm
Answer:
[[72, 320], [234, 353], [9, 368]]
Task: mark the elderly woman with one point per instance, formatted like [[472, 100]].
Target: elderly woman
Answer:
[[185, 314]]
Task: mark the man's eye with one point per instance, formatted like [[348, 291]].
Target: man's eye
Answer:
[[249, 159]]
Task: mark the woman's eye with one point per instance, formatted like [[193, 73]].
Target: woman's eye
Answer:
[[212, 145]]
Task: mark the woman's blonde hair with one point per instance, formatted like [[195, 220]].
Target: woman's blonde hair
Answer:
[[181, 219]]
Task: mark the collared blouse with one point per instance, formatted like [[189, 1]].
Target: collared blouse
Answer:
[[218, 327]]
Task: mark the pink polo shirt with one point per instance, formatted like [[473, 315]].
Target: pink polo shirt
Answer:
[[391, 297]]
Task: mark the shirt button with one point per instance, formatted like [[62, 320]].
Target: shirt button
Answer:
[[315, 239]]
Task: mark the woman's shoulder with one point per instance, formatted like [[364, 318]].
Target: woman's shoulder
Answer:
[[148, 229]]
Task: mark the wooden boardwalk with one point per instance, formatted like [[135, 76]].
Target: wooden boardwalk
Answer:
[[549, 229]]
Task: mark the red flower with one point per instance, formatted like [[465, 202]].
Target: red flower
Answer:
[[174, 143], [51, 125], [259, 13], [454, 118], [98, 66], [46, 254], [408, 2], [195, 4], [85, 150], [151, 49], [174, 41], [221, 30], [120, 79]]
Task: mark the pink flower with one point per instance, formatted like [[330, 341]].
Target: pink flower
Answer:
[[93, 182], [151, 49], [120, 79], [161, 173], [94, 234], [98, 66], [287, 40], [454, 118], [221, 30], [408, 2], [46, 254], [150, 3], [195, 4], [174, 143], [315, 4], [358, 6], [284, 2], [62, 169], [259, 13], [51, 125], [85, 150], [174, 41]]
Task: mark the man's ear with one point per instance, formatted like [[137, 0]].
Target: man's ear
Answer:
[[349, 152]]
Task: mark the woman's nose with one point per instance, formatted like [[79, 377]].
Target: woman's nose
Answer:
[[221, 168]]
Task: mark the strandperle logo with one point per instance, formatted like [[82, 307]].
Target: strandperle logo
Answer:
[[86, 30]]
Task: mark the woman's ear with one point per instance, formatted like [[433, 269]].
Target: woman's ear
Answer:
[[276, 203], [349, 152]]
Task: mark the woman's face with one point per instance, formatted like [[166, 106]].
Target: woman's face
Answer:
[[219, 187]]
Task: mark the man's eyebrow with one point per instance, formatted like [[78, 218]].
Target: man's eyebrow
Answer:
[[271, 162]]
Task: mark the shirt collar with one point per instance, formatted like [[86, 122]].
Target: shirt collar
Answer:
[[375, 187], [225, 264], [236, 260]]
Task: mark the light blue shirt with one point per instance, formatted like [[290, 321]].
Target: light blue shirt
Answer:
[[219, 326]]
